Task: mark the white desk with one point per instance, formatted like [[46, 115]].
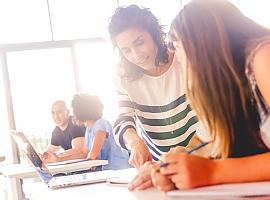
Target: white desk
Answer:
[[100, 191], [21, 171], [103, 191], [27, 171]]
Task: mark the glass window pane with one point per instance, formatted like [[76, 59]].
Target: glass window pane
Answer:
[[97, 63], [163, 10], [75, 19], [24, 21], [257, 10], [38, 78], [5, 144]]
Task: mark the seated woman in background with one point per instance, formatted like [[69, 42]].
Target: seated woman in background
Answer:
[[227, 59], [99, 133]]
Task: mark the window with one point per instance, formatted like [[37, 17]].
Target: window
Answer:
[[38, 78], [257, 10], [76, 19], [24, 21], [165, 11], [5, 147], [96, 63]]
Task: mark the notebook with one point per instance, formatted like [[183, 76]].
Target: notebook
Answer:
[[123, 177], [254, 189], [59, 181]]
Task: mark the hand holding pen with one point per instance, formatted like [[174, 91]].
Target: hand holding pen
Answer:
[[182, 170], [188, 152]]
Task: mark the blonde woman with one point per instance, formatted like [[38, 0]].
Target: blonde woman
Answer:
[[227, 59]]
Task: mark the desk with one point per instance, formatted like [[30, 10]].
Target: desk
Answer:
[[20, 171], [27, 171], [103, 191], [100, 191]]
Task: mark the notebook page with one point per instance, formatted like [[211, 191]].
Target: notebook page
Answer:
[[239, 189]]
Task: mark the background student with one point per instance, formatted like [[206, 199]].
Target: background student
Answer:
[[66, 135], [100, 142], [227, 59]]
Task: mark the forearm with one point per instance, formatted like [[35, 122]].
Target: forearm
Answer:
[[72, 154], [130, 137], [52, 148], [245, 169]]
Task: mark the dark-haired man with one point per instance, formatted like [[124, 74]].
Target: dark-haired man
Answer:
[[66, 135]]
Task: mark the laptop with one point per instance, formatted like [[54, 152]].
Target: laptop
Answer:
[[47, 177]]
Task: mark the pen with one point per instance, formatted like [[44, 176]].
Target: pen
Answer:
[[198, 147], [188, 152]]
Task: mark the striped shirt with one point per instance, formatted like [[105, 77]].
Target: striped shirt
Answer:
[[158, 109]]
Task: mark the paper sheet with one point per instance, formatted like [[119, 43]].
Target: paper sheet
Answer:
[[232, 190], [123, 177]]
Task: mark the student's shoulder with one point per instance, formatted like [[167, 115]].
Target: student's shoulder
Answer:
[[56, 131], [262, 56], [261, 59], [103, 122], [102, 125]]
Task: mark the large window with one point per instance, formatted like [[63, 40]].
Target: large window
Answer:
[[165, 11], [4, 136], [74, 19], [38, 78], [257, 10], [24, 21], [96, 64]]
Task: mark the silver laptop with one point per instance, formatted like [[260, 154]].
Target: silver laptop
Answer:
[[59, 181]]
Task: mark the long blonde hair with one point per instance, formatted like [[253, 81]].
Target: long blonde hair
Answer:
[[214, 34]]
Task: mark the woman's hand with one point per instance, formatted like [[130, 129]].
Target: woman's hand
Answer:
[[188, 171], [160, 181], [139, 153], [143, 180]]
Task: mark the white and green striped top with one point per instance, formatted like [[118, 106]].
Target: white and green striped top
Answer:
[[157, 107]]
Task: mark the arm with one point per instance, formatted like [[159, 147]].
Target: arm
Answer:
[[245, 169], [125, 133], [97, 145], [124, 126], [79, 150], [261, 68], [184, 172], [52, 148]]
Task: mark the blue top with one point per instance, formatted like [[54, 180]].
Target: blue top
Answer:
[[116, 156]]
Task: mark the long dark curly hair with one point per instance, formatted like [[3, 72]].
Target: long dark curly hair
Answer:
[[135, 16]]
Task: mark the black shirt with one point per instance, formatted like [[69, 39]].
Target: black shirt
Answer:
[[65, 137]]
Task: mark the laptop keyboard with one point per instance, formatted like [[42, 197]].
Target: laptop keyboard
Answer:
[[91, 177]]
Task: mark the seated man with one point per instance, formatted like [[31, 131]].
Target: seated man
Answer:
[[67, 135]]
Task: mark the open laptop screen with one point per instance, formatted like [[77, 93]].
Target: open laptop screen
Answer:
[[24, 144]]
